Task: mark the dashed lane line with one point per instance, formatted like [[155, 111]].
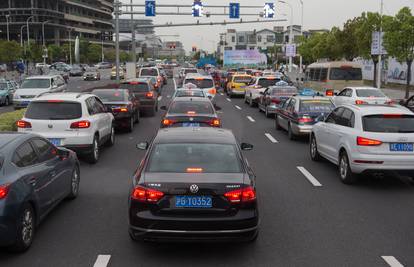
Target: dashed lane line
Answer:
[[102, 261], [221, 94], [239, 108], [392, 261], [228, 99], [159, 98], [250, 118], [271, 138], [309, 176]]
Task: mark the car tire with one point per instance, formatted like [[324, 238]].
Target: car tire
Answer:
[[278, 127], [7, 101], [74, 183], [345, 172], [111, 140], [313, 149], [130, 126], [267, 113], [25, 229], [93, 157], [291, 135]]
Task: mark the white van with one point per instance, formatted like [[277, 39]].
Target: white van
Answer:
[[36, 85]]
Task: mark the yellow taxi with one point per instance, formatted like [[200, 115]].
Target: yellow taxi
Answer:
[[121, 73], [237, 84]]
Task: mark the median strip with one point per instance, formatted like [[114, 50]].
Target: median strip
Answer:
[[102, 261], [271, 138], [250, 118], [392, 261], [309, 176]]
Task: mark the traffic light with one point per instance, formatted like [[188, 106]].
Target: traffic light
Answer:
[[173, 46], [194, 49]]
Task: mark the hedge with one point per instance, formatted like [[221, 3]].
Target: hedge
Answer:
[[8, 120]]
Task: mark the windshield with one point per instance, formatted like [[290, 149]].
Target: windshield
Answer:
[[54, 111], [388, 123], [242, 79], [187, 93], [369, 93], [317, 106], [268, 82], [135, 87], [149, 72], [35, 83], [208, 158], [184, 107], [110, 95], [347, 74], [3, 86], [201, 83]]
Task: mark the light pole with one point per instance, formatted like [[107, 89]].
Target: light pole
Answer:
[[380, 48], [7, 25], [290, 32], [301, 34], [70, 46], [44, 42], [133, 47], [21, 35], [102, 46], [28, 33]]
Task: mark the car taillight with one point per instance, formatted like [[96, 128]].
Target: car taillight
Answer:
[[276, 100], [120, 109], [305, 119], [80, 125], [23, 124], [167, 122], [146, 195], [246, 194], [194, 170], [149, 94], [329, 92], [4, 190], [362, 141], [212, 91], [215, 123], [390, 102], [360, 102]]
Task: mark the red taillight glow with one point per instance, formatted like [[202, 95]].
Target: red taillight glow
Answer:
[[23, 124], [390, 102], [149, 94], [4, 189], [80, 125], [194, 170], [167, 122], [212, 91], [241, 195], [215, 123], [146, 195], [191, 112], [390, 116], [120, 109], [305, 120], [329, 93], [54, 101], [362, 141], [360, 102], [275, 100]]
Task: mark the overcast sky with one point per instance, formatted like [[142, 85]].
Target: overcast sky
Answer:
[[318, 14]]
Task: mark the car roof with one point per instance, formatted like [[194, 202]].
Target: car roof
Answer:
[[302, 97], [42, 76], [143, 80], [362, 88], [192, 89], [195, 135], [63, 96], [370, 109]]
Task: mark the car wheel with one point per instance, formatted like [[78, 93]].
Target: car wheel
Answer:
[[74, 183], [25, 229], [93, 157], [277, 123], [130, 126], [314, 149], [345, 172], [7, 101], [291, 135], [111, 140], [267, 113]]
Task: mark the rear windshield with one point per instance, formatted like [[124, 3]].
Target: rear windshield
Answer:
[[347, 74], [284, 91], [54, 111], [135, 87], [205, 158], [316, 106], [369, 93], [201, 83], [183, 107], [242, 79], [189, 93], [35, 83], [190, 71], [268, 82], [388, 123], [110, 95], [149, 72]]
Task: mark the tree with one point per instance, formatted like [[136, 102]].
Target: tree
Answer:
[[9, 51], [94, 53], [347, 38], [110, 54], [124, 56], [55, 52], [399, 40]]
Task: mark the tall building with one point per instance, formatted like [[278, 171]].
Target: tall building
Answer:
[[62, 19], [172, 49]]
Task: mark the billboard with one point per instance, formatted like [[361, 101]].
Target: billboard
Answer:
[[244, 58]]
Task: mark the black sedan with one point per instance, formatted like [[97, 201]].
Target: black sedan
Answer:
[[34, 177], [123, 105], [190, 112], [194, 185]]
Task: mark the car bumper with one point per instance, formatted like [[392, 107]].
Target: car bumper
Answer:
[[271, 109], [89, 78], [21, 103], [366, 162], [301, 129]]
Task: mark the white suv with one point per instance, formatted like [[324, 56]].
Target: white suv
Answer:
[[77, 121], [361, 95], [366, 138]]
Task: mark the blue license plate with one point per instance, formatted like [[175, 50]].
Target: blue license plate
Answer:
[[191, 124], [193, 202], [24, 103], [55, 141], [402, 147]]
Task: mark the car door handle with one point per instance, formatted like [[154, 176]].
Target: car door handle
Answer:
[[53, 173], [32, 181]]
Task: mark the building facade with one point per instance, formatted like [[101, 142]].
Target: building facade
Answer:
[[172, 49], [62, 20]]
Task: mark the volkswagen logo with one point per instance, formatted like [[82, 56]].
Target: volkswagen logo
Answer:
[[194, 188]]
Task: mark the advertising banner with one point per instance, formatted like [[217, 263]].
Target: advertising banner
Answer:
[[244, 58]]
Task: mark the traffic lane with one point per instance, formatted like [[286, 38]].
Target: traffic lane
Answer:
[[360, 212], [76, 232]]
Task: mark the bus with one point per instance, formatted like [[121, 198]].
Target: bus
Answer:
[[333, 76]]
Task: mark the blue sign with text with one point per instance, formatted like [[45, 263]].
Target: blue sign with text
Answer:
[[150, 8], [234, 10], [269, 10], [197, 8]]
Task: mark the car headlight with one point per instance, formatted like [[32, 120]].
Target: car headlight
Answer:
[[16, 96]]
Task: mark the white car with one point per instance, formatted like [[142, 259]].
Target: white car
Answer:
[[366, 138], [76, 121], [257, 86], [186, 92], [204, 82], [361, 95]]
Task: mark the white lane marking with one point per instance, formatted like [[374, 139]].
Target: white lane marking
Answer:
[[239, 108], [271, 138], [392, 261], [309, 176], [221, 94], [250, 118], [159, 98], [228, 99], [102, 261], [168, 96]]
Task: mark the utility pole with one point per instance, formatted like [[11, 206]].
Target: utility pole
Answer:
[[7, 24], [290, 32], [133, 47], [380, 48], [70, 47], [117, 13], [28, 32], [301, 34], [44, 42], [102, 47]]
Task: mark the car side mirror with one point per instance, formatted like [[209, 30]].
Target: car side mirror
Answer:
[[163, 108], [246, 146], [143, 145], [108, 109], [403, 102], [262, 93]]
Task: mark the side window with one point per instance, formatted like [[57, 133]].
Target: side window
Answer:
[[291, 106], [90, 105], [344, 92], [317, 75], [100, 108], [410, 102], [347, 118], [324, 75], [46, 150], [25, 156], [286, 104], [335, 115], [349, 92]]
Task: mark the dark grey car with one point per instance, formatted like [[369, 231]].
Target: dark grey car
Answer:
[[34, 177]]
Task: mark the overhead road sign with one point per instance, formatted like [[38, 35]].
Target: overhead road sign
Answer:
[[150, 8], [269, 10], [291, 50], [197, 8], [234, 10]]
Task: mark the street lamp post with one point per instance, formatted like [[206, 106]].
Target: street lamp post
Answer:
[[28, 33], [102, 47], [301, 34], [7, 25], [70, 46], [44, 42], [21, 35], [380, 48], [290, 32]]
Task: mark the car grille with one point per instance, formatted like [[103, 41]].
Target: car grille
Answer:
[[27, 96]]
